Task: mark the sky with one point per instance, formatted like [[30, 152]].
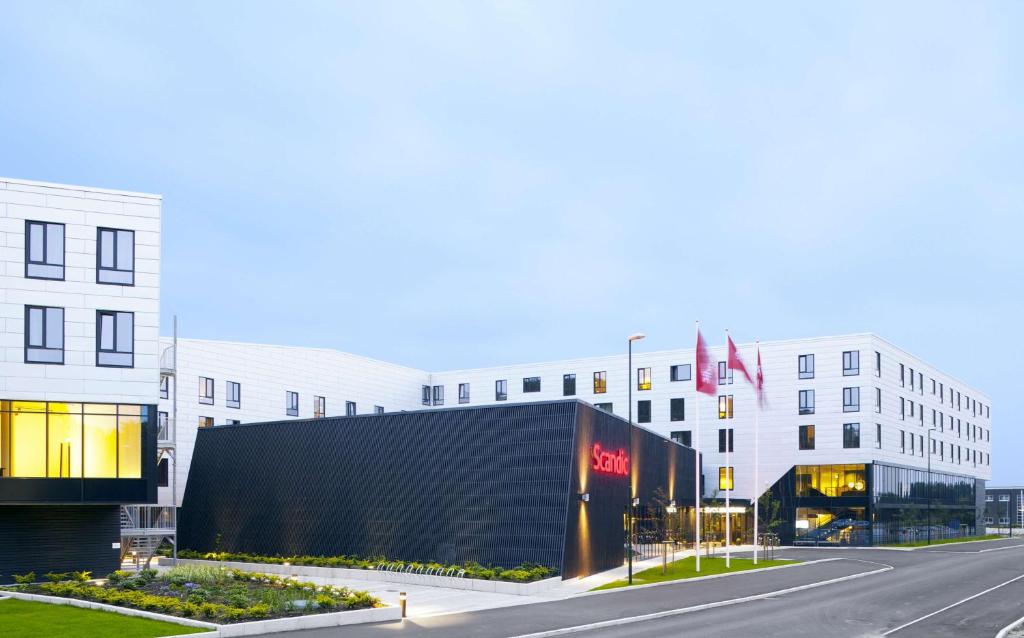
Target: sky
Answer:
[[464, 184]]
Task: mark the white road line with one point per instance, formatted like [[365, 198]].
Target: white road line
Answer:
[[947, 607], [980, 551], [686, 610]]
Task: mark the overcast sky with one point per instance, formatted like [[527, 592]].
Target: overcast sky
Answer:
[[452, 185]]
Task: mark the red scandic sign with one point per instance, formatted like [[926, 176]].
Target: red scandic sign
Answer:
[[610, 462]]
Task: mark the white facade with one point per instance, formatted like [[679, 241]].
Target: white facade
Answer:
[[266, 373], [74, 214]]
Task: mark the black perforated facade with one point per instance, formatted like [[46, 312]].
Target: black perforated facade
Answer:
[[499, 485]]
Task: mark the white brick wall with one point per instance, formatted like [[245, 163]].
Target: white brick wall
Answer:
[[81, 209]]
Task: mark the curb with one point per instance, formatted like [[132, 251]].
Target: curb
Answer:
[[1005, 631], [681, 581], [687, 610]]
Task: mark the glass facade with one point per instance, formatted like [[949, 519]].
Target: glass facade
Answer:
[[830, 480], [71, 440]]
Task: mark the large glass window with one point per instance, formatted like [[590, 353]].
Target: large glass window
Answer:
[[501, 390], [831, 480], [806, 398], [851, 363], [44, 334], [677, 409], [44, 250], [568, 385], [851, 399], [206, 390], [725, 375], [851, 435], [725, 440], [70, 440], [680, 372], [725, 478], [115, 256], [531, 384], [683, 436], [233, 394], [350, 408], [643, 378], [725, 406], [115, 339], [805, 366]]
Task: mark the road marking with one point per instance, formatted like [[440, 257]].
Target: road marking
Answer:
[[947, 607], [722, 603], [980, 551]]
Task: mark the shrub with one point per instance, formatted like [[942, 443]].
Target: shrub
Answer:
[[56, 577], [209, 610], [25, 579], [259, 610], [323, 601], [81, 576], [515, 575], [233, 614], [118, 577], [360, 600]]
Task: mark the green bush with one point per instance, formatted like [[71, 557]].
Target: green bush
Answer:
[[81, 576], [118, 577], [323, 601], [359, 600], [56, 577], [25, 579]]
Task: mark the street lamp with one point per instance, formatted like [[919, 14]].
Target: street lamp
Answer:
[[930, 430], [629, 384]]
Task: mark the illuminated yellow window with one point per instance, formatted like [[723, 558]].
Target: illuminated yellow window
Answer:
[[129, 447], [64, 446], [725, 406], [100, 446], [643, 378], [27, 440], [600, 382], [725, 478]]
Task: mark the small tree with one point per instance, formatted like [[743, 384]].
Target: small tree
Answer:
[[768, 508]]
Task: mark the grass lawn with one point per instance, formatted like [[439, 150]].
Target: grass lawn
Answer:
[[944, 541], [685, 568], [25, 619]]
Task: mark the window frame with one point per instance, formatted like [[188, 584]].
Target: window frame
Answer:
[[641, 417], [501, 390], [851, 431], [726, 440], [206, 390], [674, 372], [727, 412], [681, 433], [803, 370], [672, 403], [463, 393], [28, 347], [165, 386], [319, 406], [852, 392], [528, 385], [236, 402], [115, 269], [291, 403], [601, 382], [643, 379], [851, 363], [99, 338], [351, 409], [437, 395], [805, 437], [569, 384], [727, 477], [803, 407], [46, 249]]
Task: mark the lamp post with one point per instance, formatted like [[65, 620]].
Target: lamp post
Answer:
[[930, 430], [629, 515]]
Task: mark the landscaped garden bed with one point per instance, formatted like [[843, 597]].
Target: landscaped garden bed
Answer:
[[687, 568], [524, 573], [213, 594]]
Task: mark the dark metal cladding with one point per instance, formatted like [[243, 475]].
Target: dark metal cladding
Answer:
[[488, 484], [45, 538]]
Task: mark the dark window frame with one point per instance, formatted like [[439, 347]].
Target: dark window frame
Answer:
[[569, 385], [643, 411], [679, 435], [601, 382], [643, 380], [28, 347], [674, 403], [291, 403], [44, 263], [726, 436], [319, 406], [851, 363], [805, 366], [425, 398], [206, 390], [675, 373], [852, 393], [805, 402], [464, 393], [233, 399], [100, 268], [351, 409], [437, 395], [529, 383], [501, 390], [165, 386], [806, 437], [99, 338], [851, 436]]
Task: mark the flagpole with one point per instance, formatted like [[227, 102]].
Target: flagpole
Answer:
[[728, 467], [757, 430], [697, 459]]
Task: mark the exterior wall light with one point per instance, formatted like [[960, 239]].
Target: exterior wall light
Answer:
[[585, 497], [671, 509], [636, 501]]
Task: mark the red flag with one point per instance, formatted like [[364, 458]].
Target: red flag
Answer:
[[759, 386], [736, 361], [707, 369]]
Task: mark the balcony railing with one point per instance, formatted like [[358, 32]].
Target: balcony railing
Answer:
[[142, 519], [167, 359]]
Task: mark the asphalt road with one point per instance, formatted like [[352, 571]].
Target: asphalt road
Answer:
[[961, 590]]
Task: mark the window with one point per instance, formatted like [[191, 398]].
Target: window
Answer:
[[163, 428], [115, 339], [903, 442], [164, 386], [911, 444], [44, 250], [232, 422], [115, 256], [319, 407], [162, 474], [725, 440], [903, 408], [806, 437], [206, 421], [607, 407], [988, 520], [724, 373], [902, 382], [942, 422], [933, 387], [600, 382], [677, 409], [463, 393], [910, 404], [942, 394], [920, 444], [680, 372], [725, 478], [851, 435], [291, 403], [911, 378], [851, 399], [233, 394], [878, 364], [438, 395], [425, 400], [805, 366], [851, 363], [724, 406], [1004, 498], [206, 390], [350, 407], [531, 384], [643, 379], [643, 411], [878, 400], [878, 436], [942, 448], [957, 400], [684, 437], [44, 335], [920, 383], [378, 409], [501, 390], [568, 385], [806, 402]]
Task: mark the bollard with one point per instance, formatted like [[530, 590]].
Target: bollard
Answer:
[[401, 602], [664, 558]]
